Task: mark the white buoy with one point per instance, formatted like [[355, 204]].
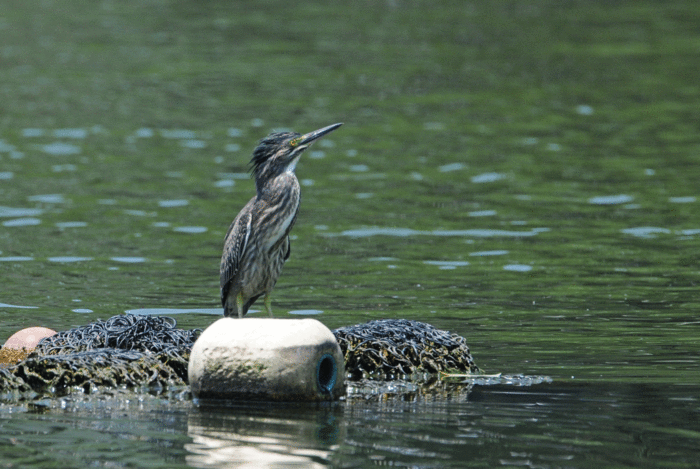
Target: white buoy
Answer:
[[267, 359]]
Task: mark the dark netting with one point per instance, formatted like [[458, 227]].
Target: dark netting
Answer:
[[392, 348], [156, 334], [149, 351], [10, 382], [95, 368], [124, 351]]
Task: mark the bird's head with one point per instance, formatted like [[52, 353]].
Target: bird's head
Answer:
[[280, 151]]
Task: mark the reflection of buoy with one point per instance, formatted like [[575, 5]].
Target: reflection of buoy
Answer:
[[268, 359], [21, 343]]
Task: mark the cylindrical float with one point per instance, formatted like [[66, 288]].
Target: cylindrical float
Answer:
[[267, 359]]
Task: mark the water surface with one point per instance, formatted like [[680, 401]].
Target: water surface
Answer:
[[521, 173]]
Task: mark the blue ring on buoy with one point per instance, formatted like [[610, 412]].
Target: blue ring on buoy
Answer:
[[326, 373]]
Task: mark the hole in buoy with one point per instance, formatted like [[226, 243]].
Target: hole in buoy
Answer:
[[326, 373]]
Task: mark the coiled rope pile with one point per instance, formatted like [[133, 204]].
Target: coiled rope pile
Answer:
[[124, 351], [398, 348], [137, 351]]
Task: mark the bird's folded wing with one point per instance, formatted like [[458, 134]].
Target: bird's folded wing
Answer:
[[234, 247]]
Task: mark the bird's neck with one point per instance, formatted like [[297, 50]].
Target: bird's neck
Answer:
[[279, 187]]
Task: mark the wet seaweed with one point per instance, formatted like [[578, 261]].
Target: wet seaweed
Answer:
[[399, 348], [128, 350]]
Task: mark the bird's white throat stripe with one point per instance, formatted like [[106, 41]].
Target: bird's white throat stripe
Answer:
[[293, 165]]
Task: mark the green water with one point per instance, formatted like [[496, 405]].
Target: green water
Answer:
[[522, 173]]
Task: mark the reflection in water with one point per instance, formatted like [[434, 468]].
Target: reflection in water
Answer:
[[261, 435], [518, 420]]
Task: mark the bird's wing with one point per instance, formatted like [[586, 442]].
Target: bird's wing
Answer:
[[287, 248], [235, 245]]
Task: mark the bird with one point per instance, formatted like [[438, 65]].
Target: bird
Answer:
[[257, 243]]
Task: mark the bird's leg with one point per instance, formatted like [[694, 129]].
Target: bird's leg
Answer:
[[268, 304], [239, 304]]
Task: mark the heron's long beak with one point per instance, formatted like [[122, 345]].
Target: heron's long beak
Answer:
[[316, 134]]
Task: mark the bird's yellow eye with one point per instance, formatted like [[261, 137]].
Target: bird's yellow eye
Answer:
[[295, 142]]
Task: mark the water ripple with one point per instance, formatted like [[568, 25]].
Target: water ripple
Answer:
[[193, 143], [489, 253], [129, 260], [71, 224], [645, 231], [517, 267], [487, 177], [60, 148], [70, 133], [611, 199], [144, 132], [69, 259], [6, 147], [11, 212], [32, 132], [482, 213], [5, 305], [173, 203], [22, 222], [682, 200], [447, 265], [170, 311], [181, 134], [47, 198], [404, 232], [306, 312], [447, 168], [191, 229]]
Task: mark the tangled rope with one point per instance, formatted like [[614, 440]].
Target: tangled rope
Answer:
[[393, 348], [124, 351], [157, 334], [138, 351]]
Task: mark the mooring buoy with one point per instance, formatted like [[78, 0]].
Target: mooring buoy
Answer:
[[267, 359]]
